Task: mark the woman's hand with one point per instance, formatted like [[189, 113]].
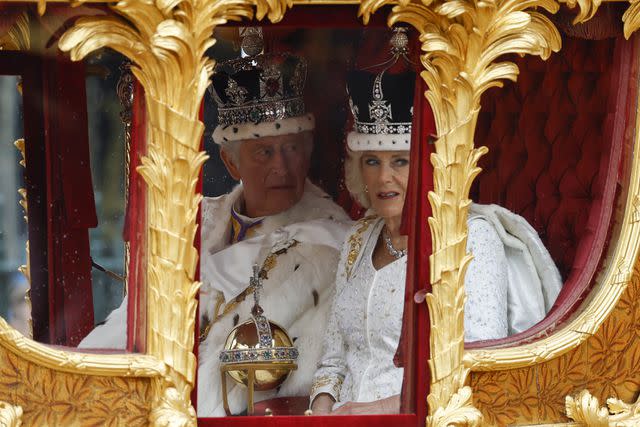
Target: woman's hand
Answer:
[[390, 405], [322, 404]]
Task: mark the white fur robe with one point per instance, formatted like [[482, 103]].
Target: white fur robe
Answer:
[[295, 295]]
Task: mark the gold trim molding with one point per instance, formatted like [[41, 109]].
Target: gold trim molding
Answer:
[[585, 408], [10, 416], [587, 8], [49, 397], [461, 42], [122, 365]]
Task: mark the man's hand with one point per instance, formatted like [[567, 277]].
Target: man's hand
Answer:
[[390, 405]]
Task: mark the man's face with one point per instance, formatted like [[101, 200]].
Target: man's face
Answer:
[[273, 170]]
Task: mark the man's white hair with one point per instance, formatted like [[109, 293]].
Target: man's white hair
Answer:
[[232, 148]]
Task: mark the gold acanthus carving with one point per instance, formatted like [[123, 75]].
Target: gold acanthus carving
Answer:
[[588, 9], [18, 36], [608, 362], [167, 40], [10, 416], [461, 41], [631, 18], [80, 363], [49, 397], [585, 408]]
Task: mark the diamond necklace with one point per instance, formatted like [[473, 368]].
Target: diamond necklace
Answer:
[[397, 254]]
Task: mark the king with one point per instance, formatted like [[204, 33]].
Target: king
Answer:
[[275, 218]]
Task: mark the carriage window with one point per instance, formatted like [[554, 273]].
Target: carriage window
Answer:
[[68, 117], [107, 118], [14, 304], [565, 201], [283, 316]]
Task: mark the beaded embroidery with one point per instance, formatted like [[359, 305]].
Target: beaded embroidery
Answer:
[[355, 243], [326, 380]]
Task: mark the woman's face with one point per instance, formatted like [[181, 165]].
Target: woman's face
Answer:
[[385, 175]]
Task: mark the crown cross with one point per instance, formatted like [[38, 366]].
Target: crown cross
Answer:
[[256, 283], [379, 109], [235, 92], [299, 76], [270, 82]]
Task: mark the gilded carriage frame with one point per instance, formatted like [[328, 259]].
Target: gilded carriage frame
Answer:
[[462, 41]]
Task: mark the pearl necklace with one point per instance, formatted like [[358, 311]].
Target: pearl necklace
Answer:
[[397, 254]]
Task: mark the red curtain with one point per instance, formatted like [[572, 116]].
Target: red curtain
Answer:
[[414, 341], [135, 227], [71, 206]]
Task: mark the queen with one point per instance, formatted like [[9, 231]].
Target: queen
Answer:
[[510, 284]]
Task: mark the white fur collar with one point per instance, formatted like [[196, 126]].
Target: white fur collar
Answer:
[[315, 204]]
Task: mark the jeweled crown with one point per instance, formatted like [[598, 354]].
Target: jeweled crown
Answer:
[[381, 103], [257, 89]]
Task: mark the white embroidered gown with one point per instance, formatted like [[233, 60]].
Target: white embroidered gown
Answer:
[[365, 321]]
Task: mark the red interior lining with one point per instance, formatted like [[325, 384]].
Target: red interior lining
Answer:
[[555, 141]]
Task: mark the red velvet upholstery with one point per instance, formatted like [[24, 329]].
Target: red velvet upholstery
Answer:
[[555, 140]]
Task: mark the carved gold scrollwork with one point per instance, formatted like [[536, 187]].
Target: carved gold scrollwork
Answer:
[[631, 18], [636, 210], [17, 38], [461, 41], [10, 416], [167, 41], [585, 408], [588, 9]]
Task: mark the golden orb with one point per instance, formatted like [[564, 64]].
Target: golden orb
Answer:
[[275, 358]]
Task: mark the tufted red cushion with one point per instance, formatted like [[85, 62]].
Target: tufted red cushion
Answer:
[[555, 145]]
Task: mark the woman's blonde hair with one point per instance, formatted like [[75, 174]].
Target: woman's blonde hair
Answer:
[[353, 178]]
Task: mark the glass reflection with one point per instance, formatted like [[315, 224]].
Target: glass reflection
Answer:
[[108, 115], [74, 181], [275, 139], [107, 145], [13, 233]]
